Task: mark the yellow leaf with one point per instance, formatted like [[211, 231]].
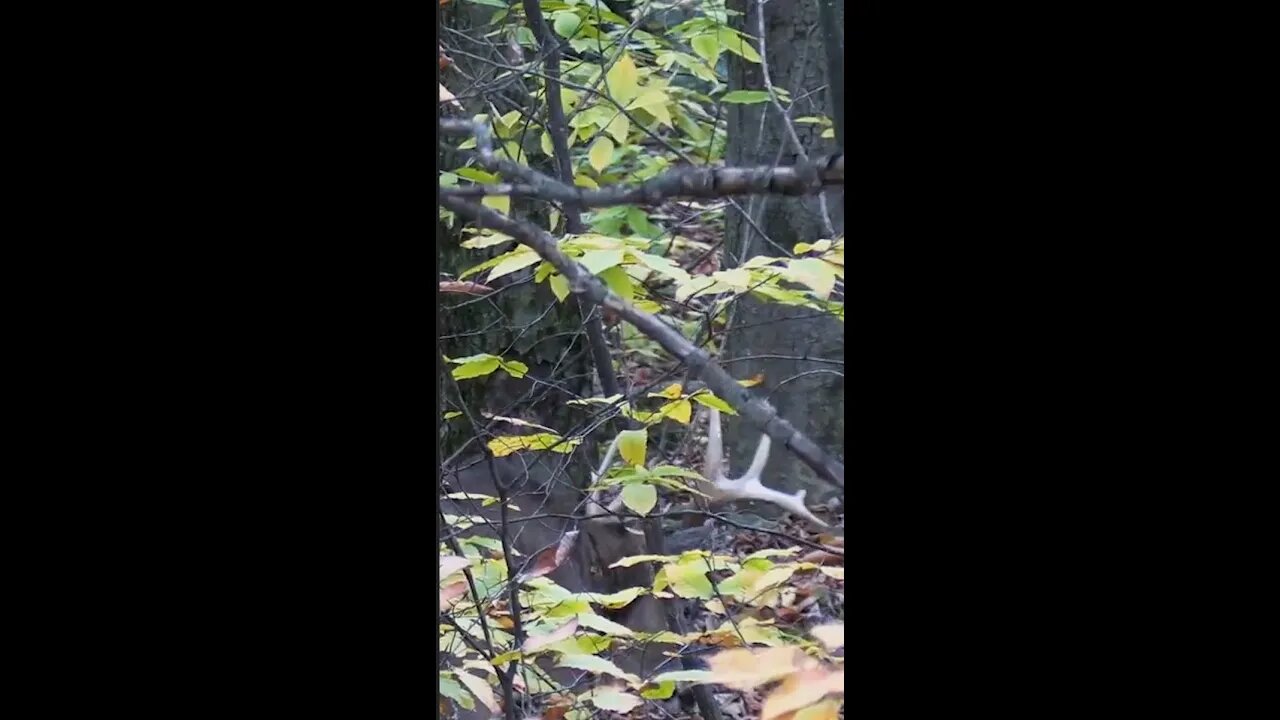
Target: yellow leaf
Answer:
[[670, 392], [744, 669], [681, 411], [559, 286], [503, 446], [752, 382], [819, 276], [622, 79], [584, 181], [618, 128], [545, 143], [631, 444], [601, 153]]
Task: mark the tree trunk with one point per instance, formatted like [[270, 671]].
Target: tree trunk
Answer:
[[798, 61]]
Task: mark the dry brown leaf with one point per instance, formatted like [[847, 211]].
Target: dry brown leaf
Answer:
[[533, 642], [552, 557], [830, 635], [464, 287], [799, 690], [744, 669], [818, 557], [557, 706], [752, 381], [480, 688]]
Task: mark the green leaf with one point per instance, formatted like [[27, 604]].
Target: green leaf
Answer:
[[688, 579], [619, 282], [475, 366], [566, 23], [631, 445], [515, 368], [828, 133], [452, 690], [708, 399], [597, 665], [477, 175], [622, 80], [737, 278], [484, 241], [662, 266], [738, 45], [597, 261], [501, 203], [640, 498], [661, 691], [746, 97], [707, 47], [601, 153], [452, 414], [545, 143], [559, 286], [604, 625], [518, 259], [619, 599]]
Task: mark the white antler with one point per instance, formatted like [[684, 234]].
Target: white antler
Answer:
[[595, 505], [748, 487]]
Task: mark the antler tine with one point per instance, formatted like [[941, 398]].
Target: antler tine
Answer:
[[713, 459], [749, 487], [594, 505]]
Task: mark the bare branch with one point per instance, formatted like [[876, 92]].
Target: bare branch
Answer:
[[582, 283]]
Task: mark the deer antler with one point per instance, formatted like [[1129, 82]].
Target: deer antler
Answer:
[[748, 487], [595, 505]]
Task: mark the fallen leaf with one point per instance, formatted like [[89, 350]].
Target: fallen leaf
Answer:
[[830, 635], [450, 564], [799, 690], [615, 699], [452, 592], [822, 557]]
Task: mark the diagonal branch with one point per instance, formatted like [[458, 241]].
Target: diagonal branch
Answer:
[[759, 413]]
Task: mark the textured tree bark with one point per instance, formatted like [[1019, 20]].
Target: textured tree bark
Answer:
[[798, 60]]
